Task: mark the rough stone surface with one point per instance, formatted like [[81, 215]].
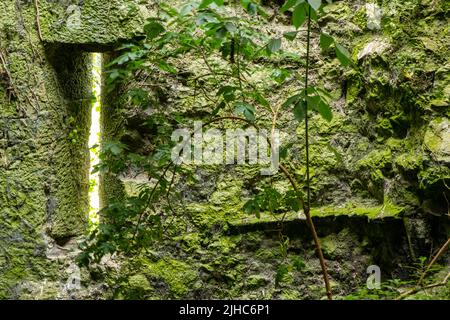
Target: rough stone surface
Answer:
[[385, 111], [93, 24], [389, 127]]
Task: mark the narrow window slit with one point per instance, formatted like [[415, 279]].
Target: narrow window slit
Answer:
[[94, 140]]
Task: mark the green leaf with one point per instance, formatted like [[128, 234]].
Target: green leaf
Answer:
[[186, 9], [282, 273], [315, 4], [298, 263], [230, 27], [300, 111], [343, 55], [287, 5], [324, 94], [336, 152], [299, 15], [219, 107], [253, 8], [205, 3], [291, 100], [270, 199], [324, 110], [227, 92], [153, 29], [246, 109], [219, 2], [284, 150], [290, 35], [260, 99], [252, 207], [313, 101], [325, 41], [274, 45], [249, 6], [313, 15], [292, 200], [280, 75], [115, 148], [245, 3], [164, 66]]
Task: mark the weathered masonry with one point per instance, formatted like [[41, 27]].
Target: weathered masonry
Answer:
[[385, 198], [45, 101]]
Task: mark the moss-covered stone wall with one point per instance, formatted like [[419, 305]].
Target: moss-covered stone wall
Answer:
[[390, 131], [382, 201], [45, 103]]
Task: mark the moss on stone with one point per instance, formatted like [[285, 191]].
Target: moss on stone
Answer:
[[179, 275]]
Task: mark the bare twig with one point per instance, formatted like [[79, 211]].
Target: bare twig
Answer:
[[38, 24], [438, 254], [418, 289]]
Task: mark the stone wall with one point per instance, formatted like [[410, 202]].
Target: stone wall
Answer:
[[45, 103], [382, 203], [390, 129]]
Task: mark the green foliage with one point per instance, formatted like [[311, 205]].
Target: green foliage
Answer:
[[271, 200], [343, 55], [393, 288], [205, 30]]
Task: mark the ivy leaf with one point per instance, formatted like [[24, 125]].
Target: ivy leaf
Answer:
[[343, 55], [324, 110], [299, 15], [290, 35], [274, 45], [315, 4], [153, 29], [219, 107], [325, 41]]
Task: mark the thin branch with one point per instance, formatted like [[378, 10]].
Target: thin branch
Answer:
[[438, 254], [38, 24], [418, 289]]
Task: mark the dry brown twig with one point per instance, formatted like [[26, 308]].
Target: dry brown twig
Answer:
[[38, 24], [419, 286], [438, 254], [418, 289]]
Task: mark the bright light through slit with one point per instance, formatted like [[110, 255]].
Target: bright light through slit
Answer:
[[94, 141]]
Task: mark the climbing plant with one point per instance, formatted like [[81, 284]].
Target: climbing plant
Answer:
[[225, 37]]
